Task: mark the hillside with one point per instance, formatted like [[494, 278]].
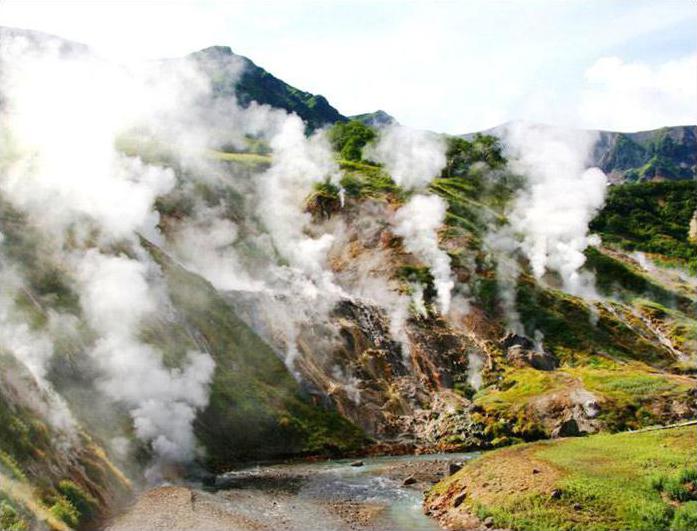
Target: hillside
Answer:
[[668, 153], [192, 280], [256, 84], [625, 481]]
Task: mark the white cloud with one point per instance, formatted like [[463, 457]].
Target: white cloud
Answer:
[[630, 96]]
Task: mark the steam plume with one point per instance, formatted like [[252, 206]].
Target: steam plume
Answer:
[[553, 212], [417, 222]]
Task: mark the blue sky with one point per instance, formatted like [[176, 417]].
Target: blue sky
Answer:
[[453, 66]]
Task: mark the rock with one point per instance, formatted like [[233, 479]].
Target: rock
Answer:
[[488, 521], [409, 480], [511, 340], [540, 360], [555, 494], [522, 351], [535, 470], [577, 506], [357, 463], [454, 467], [457, 501], [567, 428], [587, 401]]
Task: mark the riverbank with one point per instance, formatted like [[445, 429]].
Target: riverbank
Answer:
[[376, 493], [634, 480]]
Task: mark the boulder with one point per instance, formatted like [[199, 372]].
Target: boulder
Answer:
[[454, 467], [512, 340], [567, 428], [521, 352], [457, 501], [540, 360]]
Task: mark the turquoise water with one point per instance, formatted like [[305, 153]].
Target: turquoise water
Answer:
[[338, 481]]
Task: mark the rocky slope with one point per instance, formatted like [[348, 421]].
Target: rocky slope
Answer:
[[210, 284]]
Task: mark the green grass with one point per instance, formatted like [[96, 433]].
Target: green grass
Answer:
[[628, 383], [368, 181], [611, 474], [248, 159], [517, 387], [626, 393], [603, 482], [10, 518]]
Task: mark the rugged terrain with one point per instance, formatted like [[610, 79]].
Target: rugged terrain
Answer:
[[346, 355]]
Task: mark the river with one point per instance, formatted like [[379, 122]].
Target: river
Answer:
[[327, 495]]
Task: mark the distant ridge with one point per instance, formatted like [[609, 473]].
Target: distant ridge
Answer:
[[256, 84], [667, 153]]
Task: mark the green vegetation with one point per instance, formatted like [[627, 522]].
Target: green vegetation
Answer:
[[256, 408], [462, 155], [617, 278], [83, 502], [63, 510], [324, 200], [572, 329], [256, 84], [475, 184], [667, 153], [349, 138], [10, 518], [626, 154], [651, 217], [363, 181], [642, 481]]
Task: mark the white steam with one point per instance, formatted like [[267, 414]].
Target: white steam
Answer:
[[562, 197], [116, 297], [62, 119], [298, 163], [413, 158], [418, 222]]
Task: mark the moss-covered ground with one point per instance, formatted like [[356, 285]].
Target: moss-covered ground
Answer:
[[639, 481]]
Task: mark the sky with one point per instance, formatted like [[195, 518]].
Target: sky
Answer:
[[452, 66]]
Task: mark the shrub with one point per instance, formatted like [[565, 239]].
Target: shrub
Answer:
[[349, 138], [85, 503], [10, 519], [685, 518], [65, 511]]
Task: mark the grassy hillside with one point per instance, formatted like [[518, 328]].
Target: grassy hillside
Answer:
[[652, 218], [640, 481], [256, 84]]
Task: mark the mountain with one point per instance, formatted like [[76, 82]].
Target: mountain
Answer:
[[170, 312], [256, 84], [658, 154], [665, 153], [40, 39], [375, 119]]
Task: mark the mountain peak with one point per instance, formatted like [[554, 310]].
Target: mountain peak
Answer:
[[377, 118]]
